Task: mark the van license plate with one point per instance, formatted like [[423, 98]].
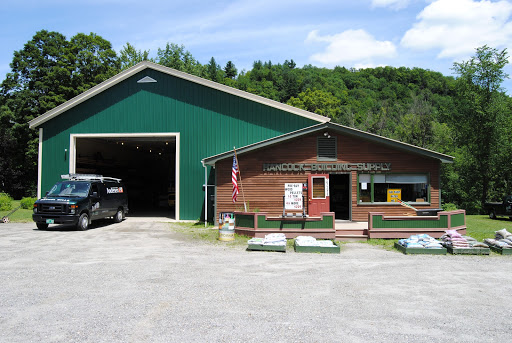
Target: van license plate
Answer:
[[50, 221]]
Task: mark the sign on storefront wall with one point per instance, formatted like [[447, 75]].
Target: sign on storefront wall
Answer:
[[326, 167], [394, 195], [293, 196]]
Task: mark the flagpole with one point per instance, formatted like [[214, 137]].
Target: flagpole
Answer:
[[240, 174]]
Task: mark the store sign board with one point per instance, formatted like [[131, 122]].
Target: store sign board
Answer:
[[325, 167], [293, 196], [394, 195]]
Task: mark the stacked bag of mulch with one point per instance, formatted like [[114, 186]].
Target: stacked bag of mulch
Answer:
[[420, 241], [503, 240], [453, 239], [473, 243]]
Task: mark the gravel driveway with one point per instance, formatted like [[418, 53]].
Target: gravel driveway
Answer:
[[142, 282]]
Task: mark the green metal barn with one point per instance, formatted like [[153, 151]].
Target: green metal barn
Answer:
[[151, 126]]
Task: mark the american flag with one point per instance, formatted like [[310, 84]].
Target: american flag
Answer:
[[234, 171]]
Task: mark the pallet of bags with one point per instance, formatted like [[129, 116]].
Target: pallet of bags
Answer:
[[463, 245], [308, 244], [271, 242], [420, 244], [502, 242]]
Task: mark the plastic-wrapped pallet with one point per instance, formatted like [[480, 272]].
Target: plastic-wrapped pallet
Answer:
[[305, 241], [421, 241], [275, 239]]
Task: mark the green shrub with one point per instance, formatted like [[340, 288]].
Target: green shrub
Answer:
[[449, 206], [27, 203], [5, 202]]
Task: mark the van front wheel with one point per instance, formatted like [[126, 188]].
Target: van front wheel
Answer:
[[119, 216], [83, 222], [42, 226]]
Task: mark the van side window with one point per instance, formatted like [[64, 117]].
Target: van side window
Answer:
[[94, 188]]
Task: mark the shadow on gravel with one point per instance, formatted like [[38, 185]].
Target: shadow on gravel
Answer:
[[67, 228]]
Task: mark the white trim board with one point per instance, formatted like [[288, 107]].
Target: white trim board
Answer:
[[40, 163], [176, 135]]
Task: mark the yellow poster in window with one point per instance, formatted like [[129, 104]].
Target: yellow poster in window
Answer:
[[394, 195]]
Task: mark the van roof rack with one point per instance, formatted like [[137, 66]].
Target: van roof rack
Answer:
[[88, 177]]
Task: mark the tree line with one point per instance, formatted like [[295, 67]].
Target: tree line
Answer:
[[467, 116]]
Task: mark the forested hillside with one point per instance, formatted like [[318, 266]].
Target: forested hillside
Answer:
[[468, 117]]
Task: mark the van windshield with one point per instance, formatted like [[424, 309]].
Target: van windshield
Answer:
[[70, 189]]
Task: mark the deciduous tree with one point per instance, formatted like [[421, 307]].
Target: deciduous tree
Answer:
[[480, 118]]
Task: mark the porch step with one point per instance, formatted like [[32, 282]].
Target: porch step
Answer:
[[351, 238]]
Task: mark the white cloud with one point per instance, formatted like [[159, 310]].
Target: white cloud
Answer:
[[367, 65], [457, 27], [350, 47], [393, 4]]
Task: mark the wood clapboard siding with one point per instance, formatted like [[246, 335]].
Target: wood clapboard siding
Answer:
[[264, 190]]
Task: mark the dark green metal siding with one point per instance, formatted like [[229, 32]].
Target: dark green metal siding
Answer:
[[209, 121]]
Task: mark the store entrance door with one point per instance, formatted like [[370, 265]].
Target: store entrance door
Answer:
[[318, 194], [339, 190]]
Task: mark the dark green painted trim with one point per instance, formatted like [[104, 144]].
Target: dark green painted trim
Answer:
[[458, 219], [380, 223], [325, 223], [244, 220]]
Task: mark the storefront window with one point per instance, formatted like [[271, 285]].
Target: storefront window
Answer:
[[386, 187], [365, 188]]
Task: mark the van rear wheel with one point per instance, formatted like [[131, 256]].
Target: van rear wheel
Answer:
[[492, 214], [83, 222], [119, 216], [42, 226]]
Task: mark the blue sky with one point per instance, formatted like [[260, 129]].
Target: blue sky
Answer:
[[430, 34]]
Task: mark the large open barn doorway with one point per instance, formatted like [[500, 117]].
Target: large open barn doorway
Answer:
[[147, 164]]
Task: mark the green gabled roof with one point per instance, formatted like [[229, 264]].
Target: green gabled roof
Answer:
[[145, 65], [337, 128]]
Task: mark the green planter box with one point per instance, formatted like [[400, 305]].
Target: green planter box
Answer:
[[411, 251], [261, 247], [310, 249], [469, 251], [502, 251]]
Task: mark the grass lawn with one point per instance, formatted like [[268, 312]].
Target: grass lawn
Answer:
[[210, 234], [481, 226], [20, 216]]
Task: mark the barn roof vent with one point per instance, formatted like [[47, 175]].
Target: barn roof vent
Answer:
[[146, 79], [326, 148]]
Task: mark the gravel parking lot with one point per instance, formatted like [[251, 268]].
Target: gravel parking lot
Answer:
[[142, 282]]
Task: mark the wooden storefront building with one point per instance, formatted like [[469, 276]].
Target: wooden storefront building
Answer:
[[342, 170]]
